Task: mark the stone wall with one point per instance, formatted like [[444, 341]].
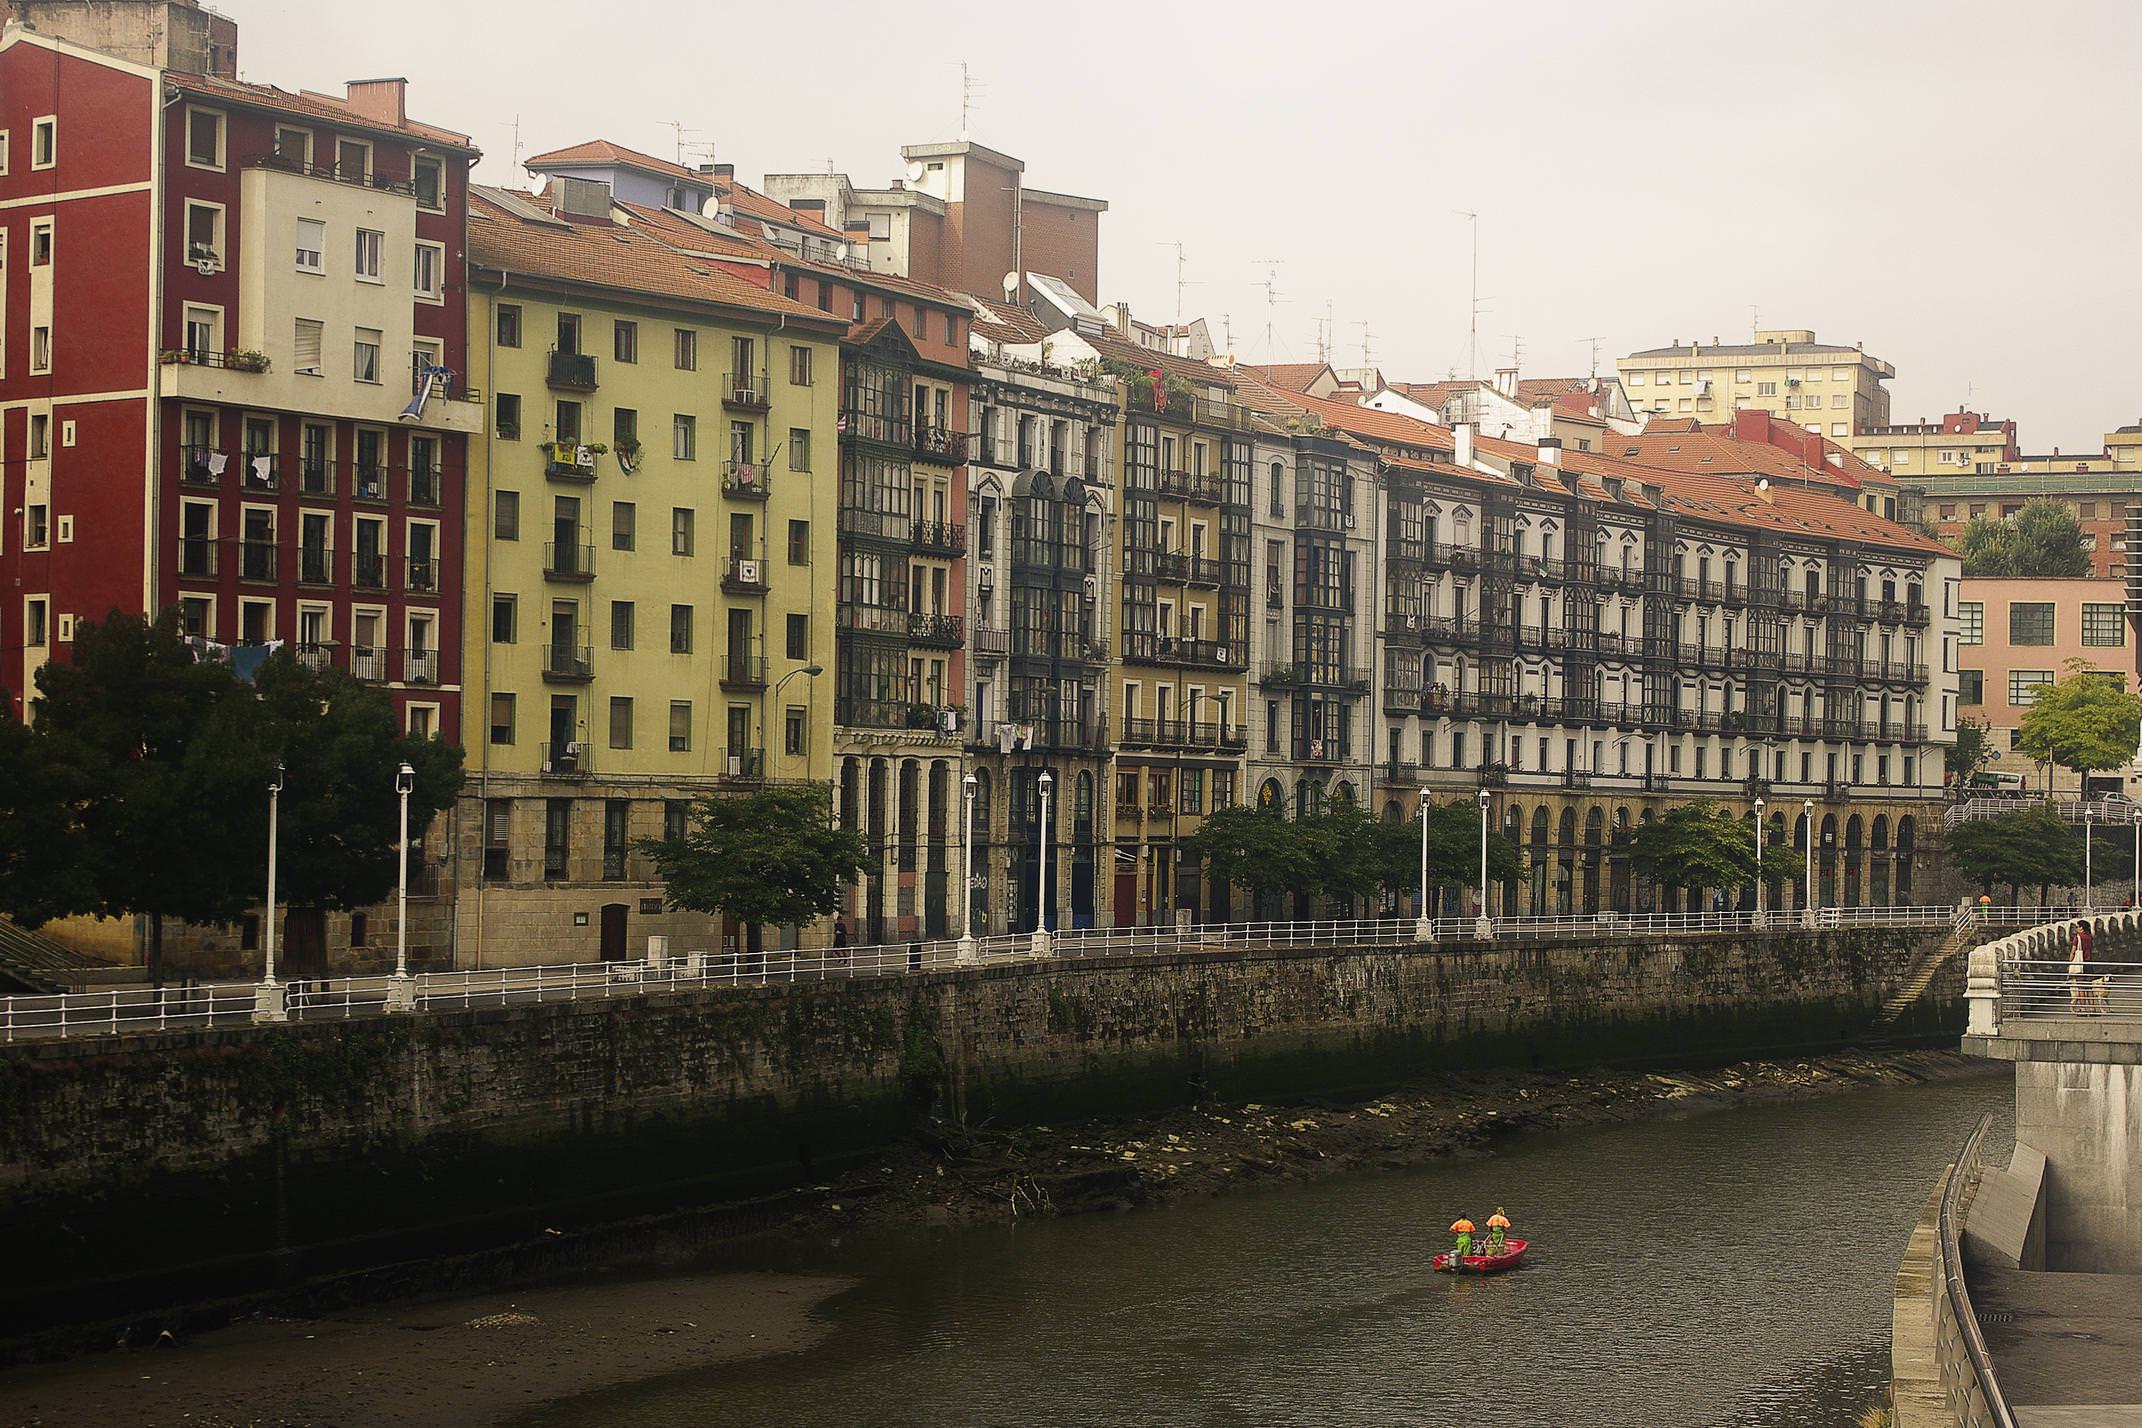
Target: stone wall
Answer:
[[253, 1153]]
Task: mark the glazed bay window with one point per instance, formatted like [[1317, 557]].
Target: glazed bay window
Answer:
[[1970, 686], [2030, 622], [2023, 685], [2104, 625], [1971, 622]]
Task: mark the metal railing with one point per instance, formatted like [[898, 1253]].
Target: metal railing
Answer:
[[154, 1009], [2112, 810], [2064, 987], [1950, 1232]]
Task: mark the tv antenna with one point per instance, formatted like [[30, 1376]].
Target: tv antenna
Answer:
[[1181, 282], [682, 146], [1472, 361], [1271, 302], [1326, 334], [1594, 341], [969, 86], [1755, 321], [1367, 360]]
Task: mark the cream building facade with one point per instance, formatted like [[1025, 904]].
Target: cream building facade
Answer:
[[1821, 386]]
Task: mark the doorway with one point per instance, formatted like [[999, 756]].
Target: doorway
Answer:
[[613, 931]]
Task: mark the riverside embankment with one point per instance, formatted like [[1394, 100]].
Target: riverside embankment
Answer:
[[155, 1170]]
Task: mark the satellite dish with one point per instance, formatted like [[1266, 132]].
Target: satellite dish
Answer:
[[914, 170], [1011, 284]]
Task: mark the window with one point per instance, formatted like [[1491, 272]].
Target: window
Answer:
[[311, 245], [431, 271], [1971, 622], [799, 542], [505, 618], [799, 372], [2104, 625], [36, 621], [625, 341], [799, 448], [204, 138], [2030, 622], [687, 352], [624, 517], [501, 718], [2023, 684], [41, 243], [625, 431], [36, 526], [44, 142], [684, 437], [557, 830], [680, 531], [1971, 686], [364, 360], [793, 731], [620, 624], [620, 723], [204, 233], [799, 636], [429, 177], [40, 436], [680, 726], [509, 324], [371, 249], [509, 416], [680, 629], [506, 515], [310, 347], [1766, 389], [40, 348]]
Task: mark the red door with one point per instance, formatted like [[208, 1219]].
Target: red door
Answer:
[[1126, 899]]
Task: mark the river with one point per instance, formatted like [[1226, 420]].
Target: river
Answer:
[[1725, 1268]]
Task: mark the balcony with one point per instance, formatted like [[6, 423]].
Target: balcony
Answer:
[[568, 560], [943, 631], [745, 480], [316, 565], [369, 571], [202, 466], [1310, 676], [745, 392], [225, 361], [742, 575], [256, 560], [1836, 790], [370, 482], [1200, 488], [425, 487], [941, 445], [1212, 411], [743, 671], [1319, 751], [334, 174], [568, 461], [871, 619], [315, 478], [368, 663], [876, 525], [571, 371], [1145, 647], [423, 575], [1182, 568], [991, 640], [747, 765], [896, 714], [197, 557], [315, 657], [420, 666], [1916, 615], [940, 537], [1202, 734], [1493, 775], [567, 663], [565, 760], [259, 471], [1051, 733]]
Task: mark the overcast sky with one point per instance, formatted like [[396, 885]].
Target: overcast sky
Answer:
[[1951, 184]]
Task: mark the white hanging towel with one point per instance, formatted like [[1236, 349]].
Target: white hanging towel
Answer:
[[217, 462]]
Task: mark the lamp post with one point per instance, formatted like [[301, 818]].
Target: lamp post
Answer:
[[1759, 806], [1482, 925], [2089, 826], [1424, 928], [401, 992], [2138, 860], [1808, 812], [268, 1002], [966, 874], [809, 671], [1041, 890]]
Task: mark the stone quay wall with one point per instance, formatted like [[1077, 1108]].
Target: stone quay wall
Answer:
[[253, 1155]]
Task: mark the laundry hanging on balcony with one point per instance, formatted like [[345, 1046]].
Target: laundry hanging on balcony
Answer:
[[428, 376], [246, 660]]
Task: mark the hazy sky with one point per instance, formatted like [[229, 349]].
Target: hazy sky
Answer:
[[1952, 184]]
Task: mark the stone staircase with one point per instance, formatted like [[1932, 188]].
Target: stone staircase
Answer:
[[1963, 936], [32, 963]]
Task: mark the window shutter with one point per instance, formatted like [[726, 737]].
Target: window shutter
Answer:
[[309, 334]]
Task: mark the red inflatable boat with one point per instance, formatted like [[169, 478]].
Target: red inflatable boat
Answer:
[[1513, 1254]]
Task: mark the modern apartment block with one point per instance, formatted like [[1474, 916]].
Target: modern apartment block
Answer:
[[235, 318], [2019, 635], [651, 605], [2098, 486], [1041, 570], [1821, 386]]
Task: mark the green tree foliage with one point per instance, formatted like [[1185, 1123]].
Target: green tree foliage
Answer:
[[1258, 849], [1454, 847], [1701, 845], [1342, 854], [1972, 751], [2085, 722], [2024, 849], [2041, 541], [765, 858], [44, 869]]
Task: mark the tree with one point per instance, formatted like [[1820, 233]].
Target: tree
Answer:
[[2019, 849], [340, 748], [775, 856], [1700, 845], [2041, 541], [1347, 852], [44, 866], [159, 796], [2084, 723], [1258, 849], [1972, 751]]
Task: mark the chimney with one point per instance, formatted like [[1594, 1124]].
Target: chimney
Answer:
[[581, 198], [1464, 454], [1763, 493], [1550, 451], [383, 101], [724, 173], [1506, 381]]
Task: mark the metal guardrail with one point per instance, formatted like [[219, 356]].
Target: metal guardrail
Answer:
[[2061, 987], [150, 1009], [1959, 1294], [2111, 810]]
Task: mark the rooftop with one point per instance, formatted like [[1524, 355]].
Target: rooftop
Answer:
[[310, 105]]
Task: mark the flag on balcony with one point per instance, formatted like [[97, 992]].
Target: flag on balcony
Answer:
[[428, 376]]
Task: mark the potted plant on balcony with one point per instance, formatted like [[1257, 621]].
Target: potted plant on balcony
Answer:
[[247, 360]]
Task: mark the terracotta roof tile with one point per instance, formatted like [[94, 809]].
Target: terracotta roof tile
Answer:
[[596, 153], [1291, 376], [324, 107], [751, 202]]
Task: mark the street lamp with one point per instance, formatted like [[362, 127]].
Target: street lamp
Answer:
[[1808, 810], [809, 671], [1759, 806], [1481, 924], [2138, 860], [1041, 892], [401, 992], [966, 873], [268, 1002], [2089, 822], [1424, 928]]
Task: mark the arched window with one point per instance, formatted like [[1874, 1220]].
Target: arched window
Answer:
[[1082, 806], [981, 805], [1279, 489]]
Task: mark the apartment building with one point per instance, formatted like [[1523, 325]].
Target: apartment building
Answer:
[[1042, 565], [2019, 635], [1821, 386], [1962, 443], [651, 598], [2098, 486]]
